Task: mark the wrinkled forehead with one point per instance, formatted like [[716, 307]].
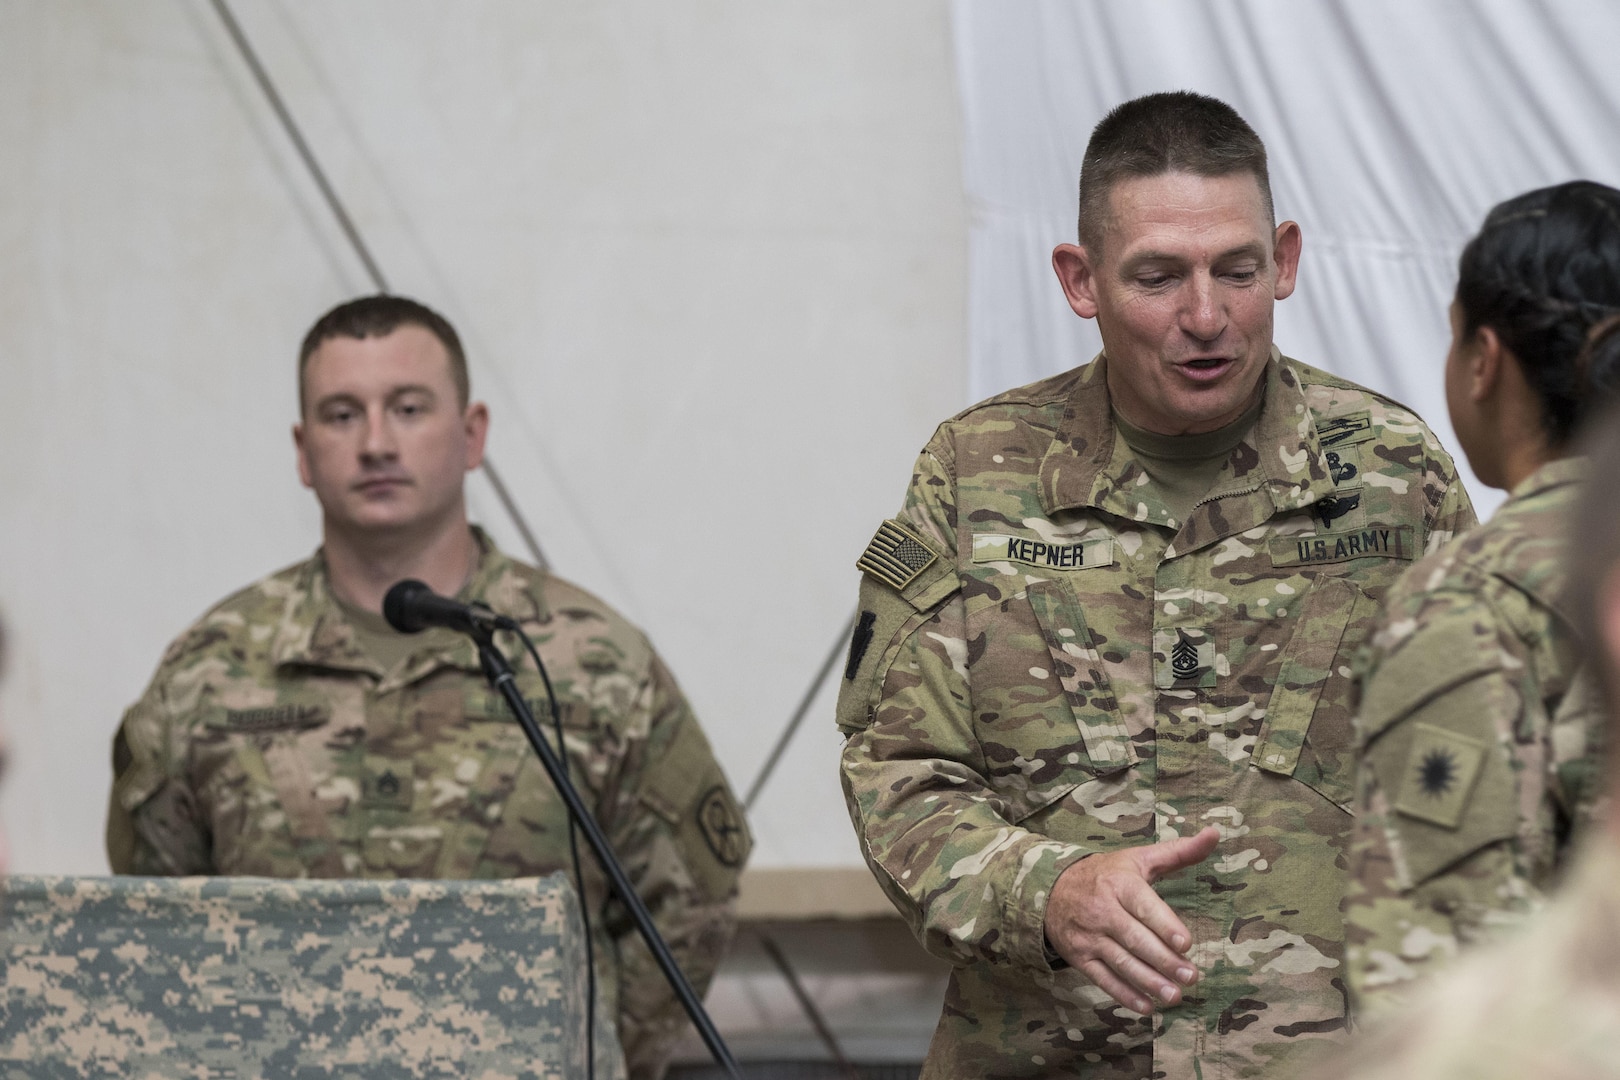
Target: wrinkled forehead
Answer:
[[1180, 208]]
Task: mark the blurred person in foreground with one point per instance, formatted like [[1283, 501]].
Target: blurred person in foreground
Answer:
[[1546, 1002], [1097, 703], [1480, 727], [292, 732]]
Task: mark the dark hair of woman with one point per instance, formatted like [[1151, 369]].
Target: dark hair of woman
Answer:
[[1543, 272]]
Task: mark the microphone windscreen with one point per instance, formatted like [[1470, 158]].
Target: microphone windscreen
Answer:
[[399, 606]]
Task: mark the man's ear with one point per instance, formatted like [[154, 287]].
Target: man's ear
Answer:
[[303, 459], [475, 423], [1285, 253], [1072, 264]]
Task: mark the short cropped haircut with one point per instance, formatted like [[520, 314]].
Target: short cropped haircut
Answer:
[[1178, 131], [379, 316]]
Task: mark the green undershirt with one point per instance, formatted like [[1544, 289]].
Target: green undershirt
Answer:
[[1182, 468], [381, 643]]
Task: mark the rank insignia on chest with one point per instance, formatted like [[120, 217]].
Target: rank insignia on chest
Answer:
[[1441, 768], [1183, 659], [1049, 555], [895, 556], [388, 783]]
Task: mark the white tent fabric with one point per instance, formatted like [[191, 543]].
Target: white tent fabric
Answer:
[[1391, 128]]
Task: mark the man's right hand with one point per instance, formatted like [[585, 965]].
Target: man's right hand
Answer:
[[1104, 918]]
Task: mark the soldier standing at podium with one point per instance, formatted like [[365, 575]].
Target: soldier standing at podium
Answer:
[[291, 732]]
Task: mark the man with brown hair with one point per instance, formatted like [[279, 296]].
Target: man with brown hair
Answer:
[[1096, 706], [292, 732]]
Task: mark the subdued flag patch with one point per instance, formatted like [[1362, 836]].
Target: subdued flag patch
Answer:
[[895, 556], [1440, 771]]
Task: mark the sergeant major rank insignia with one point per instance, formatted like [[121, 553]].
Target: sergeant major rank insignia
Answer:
[[895, 556], [1183, 659]]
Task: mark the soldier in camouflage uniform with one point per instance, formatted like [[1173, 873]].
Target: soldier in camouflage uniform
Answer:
[[1118, 607], [292, 733], [1481, 731], [1547, 1002]]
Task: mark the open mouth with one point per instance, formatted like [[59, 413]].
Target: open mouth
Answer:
[[1206, 368]]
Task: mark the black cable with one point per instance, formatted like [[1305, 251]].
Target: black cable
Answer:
[[579, 875]]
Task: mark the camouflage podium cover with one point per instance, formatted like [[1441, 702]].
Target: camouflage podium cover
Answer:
[[216, 977]]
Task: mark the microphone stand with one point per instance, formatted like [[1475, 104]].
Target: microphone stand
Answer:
[[499, 673]]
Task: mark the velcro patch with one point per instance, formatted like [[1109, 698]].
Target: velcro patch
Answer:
[[1441, 768], [1183, 659], [1379, 541], [895, 556], [272, 718], [1078, 555], [1344, 430], [722, 826]]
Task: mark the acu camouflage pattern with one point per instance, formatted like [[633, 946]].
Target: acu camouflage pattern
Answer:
[[1544, 1004], [269, 744], [240, 977], [1079, 673], [1482, 744]]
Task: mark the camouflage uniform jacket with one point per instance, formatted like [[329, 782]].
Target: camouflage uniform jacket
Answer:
[[269, 744], [1544, 1004], [1047, 666], [1480, 733]]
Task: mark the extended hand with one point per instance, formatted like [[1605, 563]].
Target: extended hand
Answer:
[[1104, 918]]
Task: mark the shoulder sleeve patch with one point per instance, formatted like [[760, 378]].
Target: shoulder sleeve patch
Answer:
[[1440, 771], [896, 555]]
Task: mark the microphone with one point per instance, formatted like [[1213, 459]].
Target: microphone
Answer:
[[411, 607]]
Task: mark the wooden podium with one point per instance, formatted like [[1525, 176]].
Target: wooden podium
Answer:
[[251, 977]]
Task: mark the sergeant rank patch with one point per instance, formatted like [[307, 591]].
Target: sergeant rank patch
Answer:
[[722, 826], [895, 556]]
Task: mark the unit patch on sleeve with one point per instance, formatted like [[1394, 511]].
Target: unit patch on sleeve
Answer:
[[1068, 555], [1440, 771], [722, 827], [895, 556]]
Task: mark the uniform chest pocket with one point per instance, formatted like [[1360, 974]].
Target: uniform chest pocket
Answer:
[[1308, 732], [1057, 722]]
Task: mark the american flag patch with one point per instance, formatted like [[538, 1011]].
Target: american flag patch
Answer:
[[895, 556]]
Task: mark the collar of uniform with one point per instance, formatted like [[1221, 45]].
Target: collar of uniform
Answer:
[[1286, 463], [314, 632], [1554, 474]]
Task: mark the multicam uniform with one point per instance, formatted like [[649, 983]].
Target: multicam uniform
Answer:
[[1047, 665], [1546, 1004], [1481, 735], [269, 743]]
